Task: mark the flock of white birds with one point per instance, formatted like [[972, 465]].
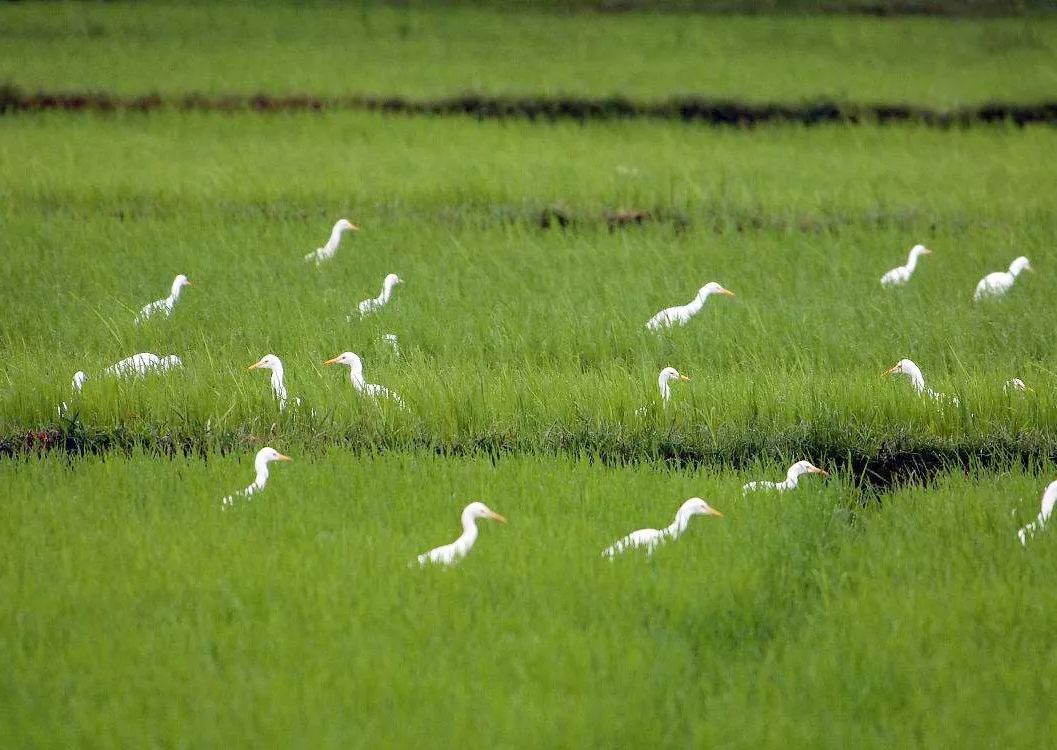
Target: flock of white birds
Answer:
[[145, 363]]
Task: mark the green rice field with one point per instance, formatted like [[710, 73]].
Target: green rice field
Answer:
[[886, 605]]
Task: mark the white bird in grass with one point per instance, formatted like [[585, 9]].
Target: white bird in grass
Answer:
[[681, 314], [450, 554], [1016, 384], [164, 305], [912, 371], [668, 375], [375, 303], [327, 251], [1049, 498], [651, 538], [998, 283], [901, 274], [792, 478], [356, 374], [137, 365], [273, 363], [260, 465]]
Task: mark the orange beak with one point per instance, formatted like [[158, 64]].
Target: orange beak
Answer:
[[254, 366], [331, 361], [890, 370]]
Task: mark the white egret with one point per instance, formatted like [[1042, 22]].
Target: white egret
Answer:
[[137, 365], [792, 478], [1016, 384], [668, 375], [901, 274], [356, 374], [912, 371], [375, 303], [681, 314], [450, 554], [1049, 498], [327, 251], [998, 283], [260, 466], [651, 538], [166, 304], [273, 363]]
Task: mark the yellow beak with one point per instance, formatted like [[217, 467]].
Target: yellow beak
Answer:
[[726, 292], [683, 377], [281, 457], [890, 370], [823, 472], [716, 513], [254, 366], [331, 361], [497, 517]]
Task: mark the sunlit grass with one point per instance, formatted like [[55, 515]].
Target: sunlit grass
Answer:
[[145, 612]]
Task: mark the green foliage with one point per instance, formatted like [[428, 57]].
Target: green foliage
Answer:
[[818, 618], [426, 51]]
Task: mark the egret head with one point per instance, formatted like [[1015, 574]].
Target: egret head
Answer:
[[920, 250], [714, 287], [267, 455], [903, 367], [805, 467], [78, 380], [695, 506], [346, 358], [669, 374], [344, 225], [267, 362], [392, 280], [181, 281], [1020, 264], [478, 509]]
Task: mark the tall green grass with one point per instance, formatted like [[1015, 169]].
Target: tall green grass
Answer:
[[514, 337], [331, 48], [138, 612]]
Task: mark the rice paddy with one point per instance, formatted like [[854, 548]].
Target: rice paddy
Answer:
[[888, 604]]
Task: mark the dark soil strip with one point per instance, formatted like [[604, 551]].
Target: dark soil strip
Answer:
[[887, 466], [544, 109]]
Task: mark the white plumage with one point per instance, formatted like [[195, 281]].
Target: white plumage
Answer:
[[260, 466], [449, 554], [901, 274], [327, 251], [681, 314], [792, 478], [355, 365], [375, 303], [998, 283], [137, 365], [273, 363], [668, 375], [1049, 498], [913, 372], [651, 538], [166, 304]]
